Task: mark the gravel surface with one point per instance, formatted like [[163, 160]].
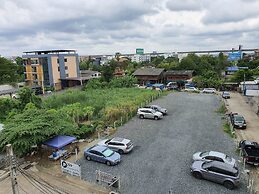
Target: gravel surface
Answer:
[[163, 149]]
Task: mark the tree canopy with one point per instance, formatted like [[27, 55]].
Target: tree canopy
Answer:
[[8, 71]]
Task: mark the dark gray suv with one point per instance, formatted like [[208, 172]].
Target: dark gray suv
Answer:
[[215, 171]]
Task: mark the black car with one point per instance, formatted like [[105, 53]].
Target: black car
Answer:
[[238, 121]]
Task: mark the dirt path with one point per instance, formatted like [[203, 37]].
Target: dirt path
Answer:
[[237, 103], [51, 173]]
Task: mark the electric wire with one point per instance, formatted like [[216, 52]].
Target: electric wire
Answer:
[[33, 184], [45, 184], [19, 185]]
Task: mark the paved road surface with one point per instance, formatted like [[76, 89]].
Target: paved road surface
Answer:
[[163, 149]]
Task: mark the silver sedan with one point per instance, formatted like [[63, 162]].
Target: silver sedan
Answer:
[[214, 156]]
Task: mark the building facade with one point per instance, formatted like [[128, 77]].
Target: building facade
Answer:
[[51, 68], [140, 58], [149, 75]]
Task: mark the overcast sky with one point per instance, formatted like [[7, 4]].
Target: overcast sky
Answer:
[[109, 26]]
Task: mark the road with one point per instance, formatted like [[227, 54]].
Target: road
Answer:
[[163, 149]]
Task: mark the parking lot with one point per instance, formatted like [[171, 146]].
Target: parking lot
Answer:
[[163, 149]]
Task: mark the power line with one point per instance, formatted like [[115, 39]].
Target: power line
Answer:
[[43, 183], [22, 189], [33, 183]]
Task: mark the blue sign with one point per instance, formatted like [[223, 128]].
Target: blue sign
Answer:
[[235, 56]]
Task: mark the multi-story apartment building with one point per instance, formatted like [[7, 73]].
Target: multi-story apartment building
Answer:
[[51, 68], [141, 58]]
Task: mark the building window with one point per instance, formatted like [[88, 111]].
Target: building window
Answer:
[[34, 69], [58, 68], [34, 61], [57, 60], [65, 59], [67, 75], [66, 68]]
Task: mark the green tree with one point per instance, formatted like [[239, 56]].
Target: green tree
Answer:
[[7, 105], [84, 65], [95, 84], [26, 96], [8, 71], [123, 82], [34, 126], [209, 79], [107, 73], [243, 74]]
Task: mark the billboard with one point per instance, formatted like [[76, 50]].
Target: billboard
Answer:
[[140, 51], [234, 56]]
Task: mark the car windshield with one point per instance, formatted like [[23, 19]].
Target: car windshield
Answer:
[[153, 111], [107, 152], [108, 140], [225, 93], [239, 118], [206, 165], [204, 154], [228, 158]]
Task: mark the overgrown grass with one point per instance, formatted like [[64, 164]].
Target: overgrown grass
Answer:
[[227, 129], [222, 109], [113, 104]]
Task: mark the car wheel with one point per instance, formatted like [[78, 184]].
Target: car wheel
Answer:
[[120, 151], [228, 185], [156, 117], [141, 116], [197, 175], [108, 163], [88, 158]]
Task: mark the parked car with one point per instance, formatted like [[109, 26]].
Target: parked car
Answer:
[[149, 113], [120, 145], [225, 95], [102, 154], [250, 151], [191, 89], [209, 90], [214, 156], [238, 121], [157, 108], [218, 172]]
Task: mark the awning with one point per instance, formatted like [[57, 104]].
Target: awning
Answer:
[[59, 141]]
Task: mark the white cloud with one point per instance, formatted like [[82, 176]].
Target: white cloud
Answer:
[[105, 27]]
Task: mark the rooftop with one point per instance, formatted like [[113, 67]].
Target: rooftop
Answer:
[[39, 52], [148, 71]]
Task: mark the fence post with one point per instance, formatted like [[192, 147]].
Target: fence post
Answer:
[[121, 120]]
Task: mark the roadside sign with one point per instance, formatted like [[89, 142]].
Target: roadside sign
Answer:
[[234, 56], [70, 168], [140, 51]]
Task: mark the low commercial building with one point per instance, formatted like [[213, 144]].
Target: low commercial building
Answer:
[[178, 75], [51, 68], [149, 75]]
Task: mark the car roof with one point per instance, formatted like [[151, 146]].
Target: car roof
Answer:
[[238, 116], [223, 166], [217, 154], [119, 139], [98, 148], [145, 109]]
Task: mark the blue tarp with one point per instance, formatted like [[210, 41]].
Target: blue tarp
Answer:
[[59, 141]]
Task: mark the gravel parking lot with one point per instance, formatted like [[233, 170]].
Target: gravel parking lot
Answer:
[[163, 149]]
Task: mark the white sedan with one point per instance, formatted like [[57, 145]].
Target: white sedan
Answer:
[[209, 90], [191, 89]]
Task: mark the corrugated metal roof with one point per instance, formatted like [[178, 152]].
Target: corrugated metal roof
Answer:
[[148, 71], [7, 89], [179, 72]]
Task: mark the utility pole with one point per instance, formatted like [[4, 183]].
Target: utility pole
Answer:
[[9, 150]]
